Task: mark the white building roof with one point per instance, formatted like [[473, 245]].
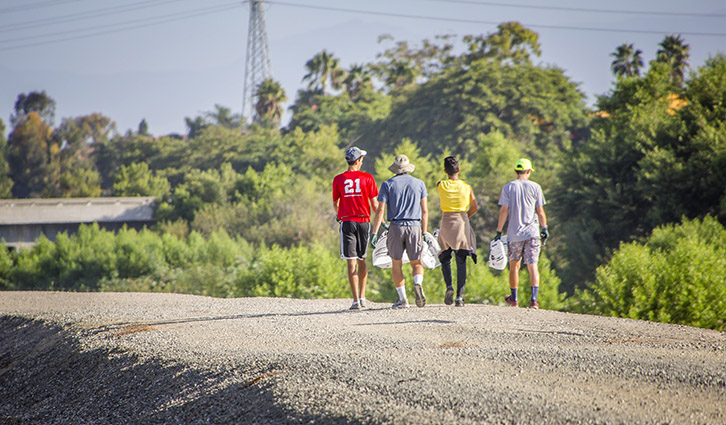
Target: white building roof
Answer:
[[75, 210]]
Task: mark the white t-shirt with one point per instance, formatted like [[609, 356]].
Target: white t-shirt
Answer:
[[522, 197]]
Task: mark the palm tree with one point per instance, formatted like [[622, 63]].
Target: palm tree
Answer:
[[270, 97], [400, 74], [674, 52], [628, 61], [224, 117], [195, 126], [323, 70], [357, 77]]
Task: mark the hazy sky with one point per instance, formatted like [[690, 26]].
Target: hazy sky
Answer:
[[164, 60]]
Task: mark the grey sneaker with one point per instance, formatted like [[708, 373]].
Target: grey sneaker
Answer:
[[400, 304], [363, 304], [449, 297], [355, 306], [420, 297]]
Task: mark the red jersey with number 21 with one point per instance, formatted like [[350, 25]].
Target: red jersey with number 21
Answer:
[[354, 189]]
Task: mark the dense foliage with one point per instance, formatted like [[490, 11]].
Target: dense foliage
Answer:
[[657, 153], [245, 210], [676, 276]]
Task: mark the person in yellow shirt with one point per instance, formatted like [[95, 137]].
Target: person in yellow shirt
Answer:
[[455, 233]]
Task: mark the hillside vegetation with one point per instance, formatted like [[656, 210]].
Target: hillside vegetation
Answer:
[[635, 192]]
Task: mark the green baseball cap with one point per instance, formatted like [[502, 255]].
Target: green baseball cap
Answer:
[[523, 164]]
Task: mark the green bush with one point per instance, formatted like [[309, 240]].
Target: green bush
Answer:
[[6, 266], [676, 276], [298, 272]]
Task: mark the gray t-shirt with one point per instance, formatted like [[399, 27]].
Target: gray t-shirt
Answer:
[[522, 197], [403, 193]]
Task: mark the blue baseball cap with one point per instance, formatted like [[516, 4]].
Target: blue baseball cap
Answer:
[[352, 154]]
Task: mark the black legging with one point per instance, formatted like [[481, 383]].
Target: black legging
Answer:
[[445, 258]]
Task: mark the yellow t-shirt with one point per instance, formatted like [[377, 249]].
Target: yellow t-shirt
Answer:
[[454, 194]]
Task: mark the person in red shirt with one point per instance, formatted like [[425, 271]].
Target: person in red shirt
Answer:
[[354, 196]]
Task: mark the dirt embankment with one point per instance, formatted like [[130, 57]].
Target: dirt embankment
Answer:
[[70, 358]]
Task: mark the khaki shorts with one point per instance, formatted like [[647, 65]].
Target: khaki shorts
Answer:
[[408, 238], [528, 249]]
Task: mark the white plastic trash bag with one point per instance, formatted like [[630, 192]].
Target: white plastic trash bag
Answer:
[[498, 254], [380, 253], [429, 257]]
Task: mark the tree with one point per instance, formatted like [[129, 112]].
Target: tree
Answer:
[[40, 103], [674, 52], [357, 78], [537, 106], [270, 97], [675, 276], [137, 180], [80, 183], [143, 128], [628, 61], [646, 164], [30, 150], [323, 71], [195, 126], [224, 117], [6, 183], [512, 43], [402, 65], [77, 136]]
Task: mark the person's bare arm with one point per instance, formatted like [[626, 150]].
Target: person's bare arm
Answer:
[[473, 207], [379, 216], [374, 204], [424, 215], [503, 214], [542, 216]]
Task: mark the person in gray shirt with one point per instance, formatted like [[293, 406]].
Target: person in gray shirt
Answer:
[[522, 204], [408, 214]]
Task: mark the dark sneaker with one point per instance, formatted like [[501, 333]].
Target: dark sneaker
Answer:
[[420, 297], [449, 297], [355, 306], [400, 304], [460, 302], [534, 305], [511, 302]]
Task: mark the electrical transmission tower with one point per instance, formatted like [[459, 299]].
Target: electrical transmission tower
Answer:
[[257, 63]]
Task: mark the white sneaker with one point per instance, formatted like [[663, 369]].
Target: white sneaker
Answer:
[[400, 304], [355, 306], [363, 304]]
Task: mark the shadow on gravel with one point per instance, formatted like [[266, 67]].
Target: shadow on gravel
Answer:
[[47, 377], [550, 332], [407, 322], [150, 323]]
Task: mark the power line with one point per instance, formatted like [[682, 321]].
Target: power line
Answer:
[[588, 10], [129, 25], [85, 15], [475, 21], [30, 6], [151, 22]]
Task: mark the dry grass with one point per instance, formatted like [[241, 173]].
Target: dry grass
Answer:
[[453, 344], [128, 330], [260, 378]]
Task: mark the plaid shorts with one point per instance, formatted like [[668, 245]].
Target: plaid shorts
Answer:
[[528, 249]]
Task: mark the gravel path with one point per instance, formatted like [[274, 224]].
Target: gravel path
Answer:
[[68, 358]]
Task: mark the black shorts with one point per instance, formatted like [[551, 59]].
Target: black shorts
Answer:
[[354, 240]]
